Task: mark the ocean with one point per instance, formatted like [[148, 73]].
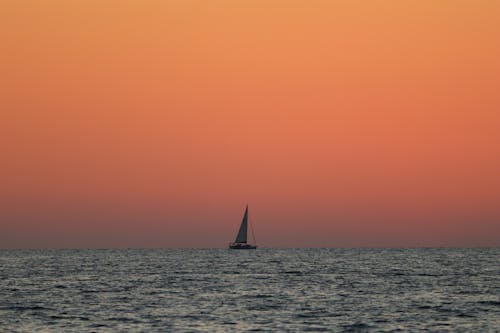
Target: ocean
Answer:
[[268, 290]]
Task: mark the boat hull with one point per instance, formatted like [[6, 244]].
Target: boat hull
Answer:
[[242, 246]]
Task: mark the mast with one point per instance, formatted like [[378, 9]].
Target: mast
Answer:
[[253, 233]]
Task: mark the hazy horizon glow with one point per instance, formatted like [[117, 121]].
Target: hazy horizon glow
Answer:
[[340, 123]]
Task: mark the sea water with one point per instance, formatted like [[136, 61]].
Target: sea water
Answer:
[[273, 290]]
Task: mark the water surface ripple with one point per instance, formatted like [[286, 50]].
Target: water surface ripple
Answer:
[[269, 290]]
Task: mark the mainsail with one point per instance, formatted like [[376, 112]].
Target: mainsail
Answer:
[[242, 234]]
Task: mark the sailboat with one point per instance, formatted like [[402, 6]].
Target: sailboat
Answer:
[[241, 239]]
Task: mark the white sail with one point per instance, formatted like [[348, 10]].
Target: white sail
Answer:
[[242, 234]]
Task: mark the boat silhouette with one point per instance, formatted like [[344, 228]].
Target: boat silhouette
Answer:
[[240, 242]]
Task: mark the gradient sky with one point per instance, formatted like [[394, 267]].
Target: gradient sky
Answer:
[[341, 123]]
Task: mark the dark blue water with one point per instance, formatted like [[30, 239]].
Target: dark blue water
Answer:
[[335, 290]]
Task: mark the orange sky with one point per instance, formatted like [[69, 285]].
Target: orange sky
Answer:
[[341, 123]]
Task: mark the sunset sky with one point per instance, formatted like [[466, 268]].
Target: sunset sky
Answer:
[[341, 123]]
